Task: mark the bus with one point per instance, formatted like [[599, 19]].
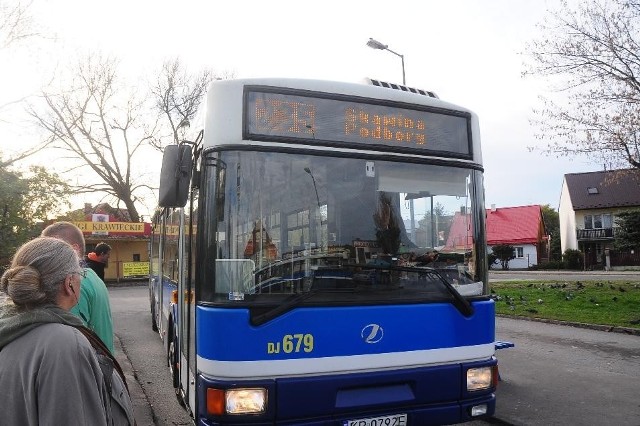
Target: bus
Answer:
[[318, 257]]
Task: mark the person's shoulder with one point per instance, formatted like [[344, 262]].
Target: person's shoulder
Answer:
[[57, 345], [92, 277], [90, 262], [93, 283], [59, 336]]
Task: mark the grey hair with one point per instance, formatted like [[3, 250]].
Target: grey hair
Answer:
[[37, 270]]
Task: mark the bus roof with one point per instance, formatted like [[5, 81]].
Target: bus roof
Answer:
[[223, 118]]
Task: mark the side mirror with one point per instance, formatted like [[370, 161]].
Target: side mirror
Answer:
[[175, 175]]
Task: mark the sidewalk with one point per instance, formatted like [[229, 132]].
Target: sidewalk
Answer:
[[141, 406]]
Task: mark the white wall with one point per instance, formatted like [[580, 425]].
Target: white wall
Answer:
[[568, 237], [521, 263]]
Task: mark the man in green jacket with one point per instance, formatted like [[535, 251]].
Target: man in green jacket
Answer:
[[93, 304]]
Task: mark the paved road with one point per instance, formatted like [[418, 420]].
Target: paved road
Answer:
[[140, 352], [561, 375]]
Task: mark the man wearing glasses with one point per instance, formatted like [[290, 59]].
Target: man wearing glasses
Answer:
[[93, 301]]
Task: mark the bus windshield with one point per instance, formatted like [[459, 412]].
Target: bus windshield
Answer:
[[336, 228]]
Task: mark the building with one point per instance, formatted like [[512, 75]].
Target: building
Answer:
[[589, 203], [521, 227], [129, 241]]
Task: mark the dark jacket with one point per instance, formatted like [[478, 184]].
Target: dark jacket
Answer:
[[98, 267]]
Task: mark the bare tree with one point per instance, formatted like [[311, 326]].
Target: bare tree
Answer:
[[108, 127], [99, 124], [16, 26], [9, 161], [177, 95], [15, 23], [590, 52]]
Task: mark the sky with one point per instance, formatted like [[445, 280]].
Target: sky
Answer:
[[469, 52]]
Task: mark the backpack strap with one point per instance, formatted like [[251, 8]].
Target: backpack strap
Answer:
[[100, 347]]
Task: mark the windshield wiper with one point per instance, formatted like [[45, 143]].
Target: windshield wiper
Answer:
[[292, 302], [460, 303]]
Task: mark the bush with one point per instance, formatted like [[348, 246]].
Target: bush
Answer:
[[550, 265], [572, 259]]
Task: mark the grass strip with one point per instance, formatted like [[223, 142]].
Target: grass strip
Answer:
[[608, 303]]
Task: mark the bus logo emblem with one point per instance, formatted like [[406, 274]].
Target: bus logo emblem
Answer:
[[372, 333]]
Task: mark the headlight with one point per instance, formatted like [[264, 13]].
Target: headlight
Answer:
[[479, 378], [236, 401], [246, 401]]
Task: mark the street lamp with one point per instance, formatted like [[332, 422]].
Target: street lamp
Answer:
[[308, 170], [319, 232], [375, 44]]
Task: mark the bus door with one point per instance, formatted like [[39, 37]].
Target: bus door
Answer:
[[155, 259], [186, 310]]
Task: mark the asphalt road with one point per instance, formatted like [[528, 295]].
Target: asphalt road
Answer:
[[562, 375], [141, 354], [555, 374]]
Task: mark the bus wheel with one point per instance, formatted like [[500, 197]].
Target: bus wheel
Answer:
[[172, 358]]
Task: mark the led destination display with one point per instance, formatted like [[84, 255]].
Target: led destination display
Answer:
[[282, 116]]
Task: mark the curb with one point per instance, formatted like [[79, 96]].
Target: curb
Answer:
[[607, 328], [137, 283], [141, 406]]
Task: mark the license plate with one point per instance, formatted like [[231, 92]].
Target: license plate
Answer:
[[394, 420]]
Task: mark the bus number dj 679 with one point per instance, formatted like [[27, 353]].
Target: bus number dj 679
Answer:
[[292, 343]]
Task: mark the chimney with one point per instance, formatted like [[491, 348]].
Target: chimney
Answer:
[[87, 208], [493, 208]]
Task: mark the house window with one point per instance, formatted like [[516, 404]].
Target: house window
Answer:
[[136, 257], [519, 252], [597, 221], [592, 190]]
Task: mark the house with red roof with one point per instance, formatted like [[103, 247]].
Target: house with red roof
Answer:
[[522, 227]]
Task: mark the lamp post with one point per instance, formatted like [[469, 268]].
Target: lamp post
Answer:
[[308, 170], [319, 232], [375, 44]]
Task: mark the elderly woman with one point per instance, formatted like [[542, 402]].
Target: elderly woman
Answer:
[[53, 370]]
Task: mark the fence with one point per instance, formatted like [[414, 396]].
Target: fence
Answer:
[[624, 258]]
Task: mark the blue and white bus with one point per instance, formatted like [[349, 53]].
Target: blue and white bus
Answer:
[[300, 265]]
